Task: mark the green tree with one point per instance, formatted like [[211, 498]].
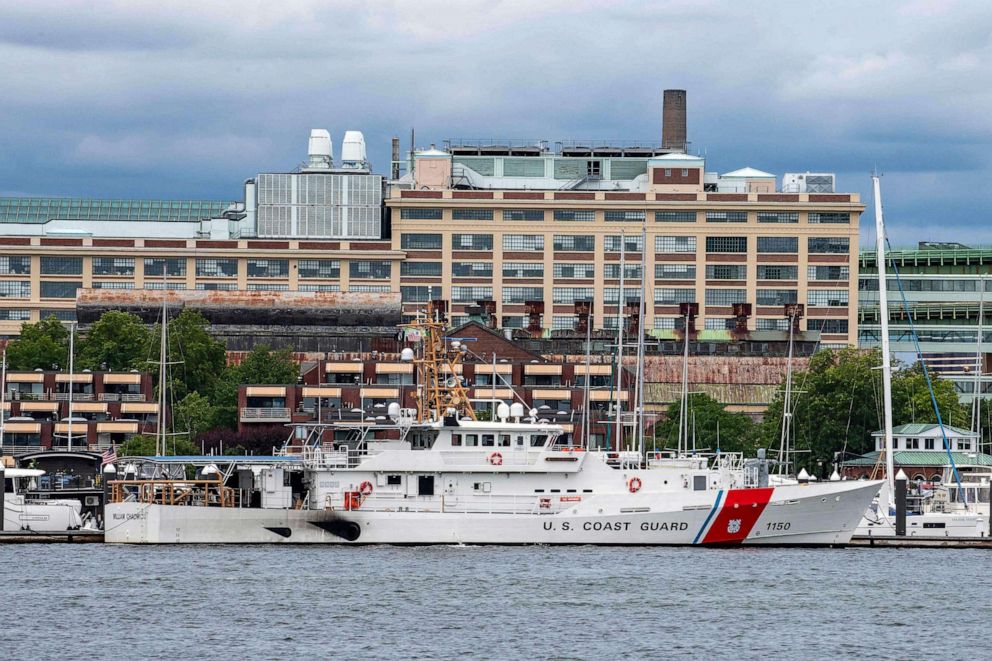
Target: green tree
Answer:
[[40, 346], [264, 366], [144, 446], [116, 341], [737, 432], [200, 357], [193, 415]]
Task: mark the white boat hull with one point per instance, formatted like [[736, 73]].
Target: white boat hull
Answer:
[[815, 514], [41, 515]]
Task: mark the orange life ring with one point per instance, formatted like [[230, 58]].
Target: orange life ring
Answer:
[[496, 459], [365, 488], [634, 484]]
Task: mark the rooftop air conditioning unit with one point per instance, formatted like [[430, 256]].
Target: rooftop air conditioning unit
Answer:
[[809, 182]]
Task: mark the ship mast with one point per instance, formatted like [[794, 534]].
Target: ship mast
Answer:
[[441, 389], [883, 308], [620, 320]]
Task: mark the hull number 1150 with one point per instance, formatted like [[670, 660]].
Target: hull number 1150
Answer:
[[778, 525]]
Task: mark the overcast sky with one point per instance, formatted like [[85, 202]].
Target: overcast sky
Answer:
[[186, 100]]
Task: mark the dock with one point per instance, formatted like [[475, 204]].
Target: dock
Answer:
[[66, 537], [922, 542]]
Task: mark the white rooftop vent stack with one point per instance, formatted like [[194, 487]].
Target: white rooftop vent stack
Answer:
[[320, 150], [353, 151]]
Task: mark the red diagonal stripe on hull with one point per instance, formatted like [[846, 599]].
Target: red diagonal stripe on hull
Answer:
[[742, 506]]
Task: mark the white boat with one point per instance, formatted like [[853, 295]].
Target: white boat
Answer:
[[437, 475], [24, 514]]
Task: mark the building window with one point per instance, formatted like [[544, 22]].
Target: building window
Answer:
[[58, 289], [422, 269], [15, 289], [612, 243], [831, 218], [61, 265], [319, 268], [733, 244], [829, 273], [472, 242], [369, 270], [726, 216], [523, 242], [216, 268], [522, 294], [675, 271], [827, 325], [828, 245], [268, 268], [563, 295], [267, 286], [420, 241], [112, 284], [624, 216], [674, 295], [17, 265], [726, 272], [776, 296], [665, 323], [421, 214], [771, 324], [420, 294], [827, 297], [725, 296], [575, 215], [777, 272], [778, 244], [472, 214], [472, 269], [60, 314], [630, 272], [522, 270], [717, 323], [513, 321], [169, 286], [172, 266], [611, 295], [523, 214], [674, 244], [316, 288], [15, 315], [573, 243], [471, 294], [119, 266], [675, 216], [563, 322], [778, 217], [369, 289], [574, 271], [222, 286]]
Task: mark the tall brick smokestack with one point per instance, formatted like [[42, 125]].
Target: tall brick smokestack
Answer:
[[673, 135]]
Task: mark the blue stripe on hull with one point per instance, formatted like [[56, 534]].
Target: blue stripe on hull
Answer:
[[709, 517]]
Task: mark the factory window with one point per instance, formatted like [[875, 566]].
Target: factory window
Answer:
[[319, 268], [60, 314], [831, 218], [665, 323], [420, 214], [15, 315], [771, 324], [778, 244], [571, 271], [630, 295], [829, 273], [268, 268], [776, 296], [122, 266], [827, 325], [675, 216], [419, 294], [216, 268], [717, 323], [726, 216], [675, 271], [15, 289], [369, 270], [523, 270], [726, 244], [59, 289], [562, 322], [513, 321], [472, 269], [420, 241], [632, 243], [173, 266], [726, 272], [593, 168], [61, 265], [625, 216], [673, 295], [222, 286], [323, 288], [369, 289], [583, 216], [17, 265], [630, 271], [112, 284], [471, 294], [523, 214], [424, 269], [725, 296], [563, 295], [522, 294], [523, 242], [572, 243], [673, 244], [827, 297], [472, 242], [170, 286], [828, 245], [776, 272], [472, 214], [778, 217], [267, 286]]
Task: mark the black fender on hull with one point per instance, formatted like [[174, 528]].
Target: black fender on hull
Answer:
[[347, 530]]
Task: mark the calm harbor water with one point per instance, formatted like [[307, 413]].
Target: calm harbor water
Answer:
[[87, 601]]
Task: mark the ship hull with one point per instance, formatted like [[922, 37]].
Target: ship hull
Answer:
[[801, 515]]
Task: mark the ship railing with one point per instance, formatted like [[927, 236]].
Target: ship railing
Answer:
[[198, 493], [547, 503], [326, 457], [507, 457]]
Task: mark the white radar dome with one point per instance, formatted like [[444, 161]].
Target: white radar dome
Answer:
[[516, 410], [407, 354], [502, 411]]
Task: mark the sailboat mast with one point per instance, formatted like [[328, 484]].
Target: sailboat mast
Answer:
[[72, 368], [783, 447], [587, 423], [976, 404], [619, 404], [883, 315], [642, 313], [684, 402], [160, 443]]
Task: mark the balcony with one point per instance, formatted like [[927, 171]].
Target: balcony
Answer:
[[269, 414]]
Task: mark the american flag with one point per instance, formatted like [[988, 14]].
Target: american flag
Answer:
[[109, 456]]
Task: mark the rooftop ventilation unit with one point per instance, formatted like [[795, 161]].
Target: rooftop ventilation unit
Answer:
[[320, 150], [353, 151], [808, 182]]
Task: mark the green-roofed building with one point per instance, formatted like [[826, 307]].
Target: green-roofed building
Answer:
[[39, 210]]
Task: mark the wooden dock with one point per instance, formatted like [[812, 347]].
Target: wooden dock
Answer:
[[67, 537], [922, 542]]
